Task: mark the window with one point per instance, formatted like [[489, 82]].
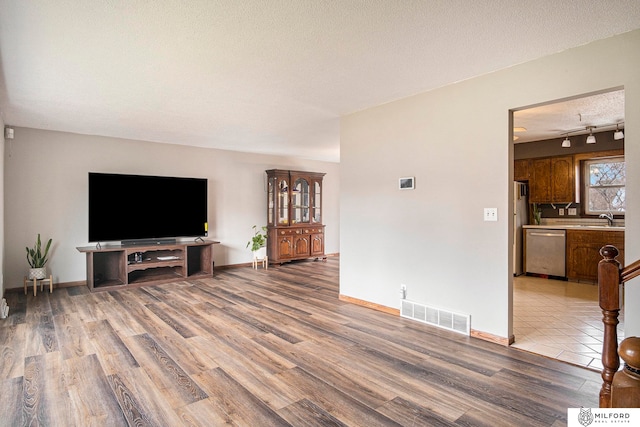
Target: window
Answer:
[[605, 186]]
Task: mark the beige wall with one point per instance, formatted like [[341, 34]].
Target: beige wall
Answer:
[[46, 192], [455, 141], [2, 144]]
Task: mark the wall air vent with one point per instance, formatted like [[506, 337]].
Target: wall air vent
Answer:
[[445, 319]]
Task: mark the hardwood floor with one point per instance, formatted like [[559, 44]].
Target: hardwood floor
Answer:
[[260, 348]]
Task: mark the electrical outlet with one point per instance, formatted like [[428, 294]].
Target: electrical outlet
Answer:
[[490, 214], [561, 211]]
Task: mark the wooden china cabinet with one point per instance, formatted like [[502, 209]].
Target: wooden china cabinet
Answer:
[[294, 215]]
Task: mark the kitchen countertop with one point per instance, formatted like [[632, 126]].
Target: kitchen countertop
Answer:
[[576, 227]]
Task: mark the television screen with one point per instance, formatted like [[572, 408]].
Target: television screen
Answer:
[[139, 207]]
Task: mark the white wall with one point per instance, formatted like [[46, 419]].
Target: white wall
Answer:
[[455, 141], [2, 144], [46, 192]]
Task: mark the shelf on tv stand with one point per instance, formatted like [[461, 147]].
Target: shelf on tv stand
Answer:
[[117, 266]]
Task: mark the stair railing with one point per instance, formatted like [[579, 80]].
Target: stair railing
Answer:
[[618, 388]]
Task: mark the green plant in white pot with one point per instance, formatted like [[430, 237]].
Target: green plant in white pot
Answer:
[[258, 242], [38, 259]]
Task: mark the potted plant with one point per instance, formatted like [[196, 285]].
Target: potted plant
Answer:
[[37, 259], [537, 214], [258, 242]]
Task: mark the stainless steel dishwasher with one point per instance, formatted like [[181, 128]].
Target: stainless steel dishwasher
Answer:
[[545, 251]]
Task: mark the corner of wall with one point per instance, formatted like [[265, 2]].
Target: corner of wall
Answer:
[[2, 207]]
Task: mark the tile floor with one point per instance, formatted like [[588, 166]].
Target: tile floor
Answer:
[[559, 319]]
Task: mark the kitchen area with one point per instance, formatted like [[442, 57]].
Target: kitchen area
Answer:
[[561, 237], [569, 201]]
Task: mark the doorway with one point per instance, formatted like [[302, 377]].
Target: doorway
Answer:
[[553, 316]]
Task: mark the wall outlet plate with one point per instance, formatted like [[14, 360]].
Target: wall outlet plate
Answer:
[[490, 214]]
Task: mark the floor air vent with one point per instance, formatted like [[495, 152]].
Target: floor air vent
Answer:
[[455, 322]]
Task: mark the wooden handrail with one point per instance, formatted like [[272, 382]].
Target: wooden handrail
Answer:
[[610, 276], [630, 272]]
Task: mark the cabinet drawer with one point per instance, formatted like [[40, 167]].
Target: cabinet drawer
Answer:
[[290, 232], [312, 230], [581, 236]]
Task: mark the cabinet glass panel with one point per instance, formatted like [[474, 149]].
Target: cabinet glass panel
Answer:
[[300, 201], [283, 202], [317, 201], [270, 200]]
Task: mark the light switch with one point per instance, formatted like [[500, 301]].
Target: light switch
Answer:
[[573, 211], [490, 214]]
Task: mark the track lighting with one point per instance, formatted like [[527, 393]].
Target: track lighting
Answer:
[[618, 134], [591, 139]]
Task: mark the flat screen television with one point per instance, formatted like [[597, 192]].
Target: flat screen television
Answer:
[[144, 209]]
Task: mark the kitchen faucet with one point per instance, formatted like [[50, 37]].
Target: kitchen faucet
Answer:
[[609, 217]]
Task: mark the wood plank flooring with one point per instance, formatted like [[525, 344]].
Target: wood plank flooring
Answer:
[[262, 348]]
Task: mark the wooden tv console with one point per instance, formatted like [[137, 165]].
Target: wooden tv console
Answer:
[[116, 266]]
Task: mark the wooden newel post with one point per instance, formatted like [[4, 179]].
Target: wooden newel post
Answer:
[[625, 390], [609, 298]]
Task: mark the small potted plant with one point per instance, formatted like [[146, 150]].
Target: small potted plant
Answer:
[[537, 214], [258, 242], [38, 259]]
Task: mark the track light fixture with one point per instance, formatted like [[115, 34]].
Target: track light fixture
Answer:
[[618, 134], [591, 139]]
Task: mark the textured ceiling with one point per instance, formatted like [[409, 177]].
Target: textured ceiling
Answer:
[[601, 112], [268, 76]]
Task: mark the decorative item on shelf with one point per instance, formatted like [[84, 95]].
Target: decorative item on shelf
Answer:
[[537, 214], [258, 244], [38, 259]]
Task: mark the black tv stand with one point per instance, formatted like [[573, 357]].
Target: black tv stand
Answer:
[[121, 266]]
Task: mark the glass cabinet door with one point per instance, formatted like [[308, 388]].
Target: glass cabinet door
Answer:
[[270, 201], [317, 202], [283, 202], [300, 201]]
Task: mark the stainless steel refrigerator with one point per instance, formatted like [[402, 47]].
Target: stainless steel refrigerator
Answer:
[[520, 218]]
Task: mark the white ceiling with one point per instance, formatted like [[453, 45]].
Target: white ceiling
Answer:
[[601, 112], [268, 76]]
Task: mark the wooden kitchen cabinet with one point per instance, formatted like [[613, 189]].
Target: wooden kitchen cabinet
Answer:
[[521, 170], [552, 180], [583, 252], [563, 187], [294, 215], [540, 181]]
